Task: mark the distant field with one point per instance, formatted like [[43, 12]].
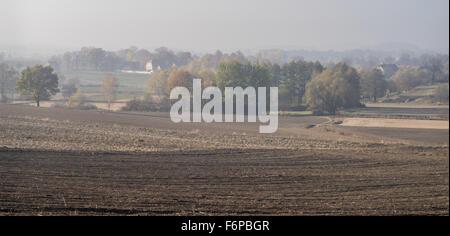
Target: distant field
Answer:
[[406, 105], [422, 91], [422, 95], [296, 113], [131, 84], [397, 111]]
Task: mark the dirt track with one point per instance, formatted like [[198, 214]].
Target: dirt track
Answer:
[[67, 162]]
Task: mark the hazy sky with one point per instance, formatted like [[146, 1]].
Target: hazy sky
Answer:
[[207, 25]]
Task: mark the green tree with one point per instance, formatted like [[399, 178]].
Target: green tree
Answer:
[[296, 74], [233, 74], [38, 83], [333, 89], [408, 78], [276, 74], [373, 84], [230, 74], [435, 65]]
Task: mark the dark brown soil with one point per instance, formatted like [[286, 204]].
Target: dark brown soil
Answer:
[[68, 162], [225, 182]]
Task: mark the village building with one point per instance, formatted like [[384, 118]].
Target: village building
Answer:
[[388, 70], [149, 66]]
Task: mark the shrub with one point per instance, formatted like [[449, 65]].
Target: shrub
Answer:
[[146, 105], [78, 101]]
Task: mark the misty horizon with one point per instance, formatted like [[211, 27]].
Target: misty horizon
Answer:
[[49, 26]]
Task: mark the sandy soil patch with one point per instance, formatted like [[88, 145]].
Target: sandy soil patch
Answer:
[[117, 106], [406, 105], [395, 123]]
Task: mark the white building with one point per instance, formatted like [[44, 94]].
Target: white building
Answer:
[[149, 66]]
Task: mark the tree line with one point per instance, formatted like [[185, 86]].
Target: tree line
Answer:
[[133, 58], [98, 59], [302, 84]]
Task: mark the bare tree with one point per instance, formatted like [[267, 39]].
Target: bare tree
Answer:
[[109, 88]]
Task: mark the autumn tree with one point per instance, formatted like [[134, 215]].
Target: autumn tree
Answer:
[[78, 99], [38, 83], [207, 76], [180, 78], [109, 88]]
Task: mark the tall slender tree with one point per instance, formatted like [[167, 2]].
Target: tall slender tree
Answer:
[[373, 84], [109, 88], [8, 79]]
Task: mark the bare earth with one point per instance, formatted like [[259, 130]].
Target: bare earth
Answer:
[[396, 123], [69, 162]]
